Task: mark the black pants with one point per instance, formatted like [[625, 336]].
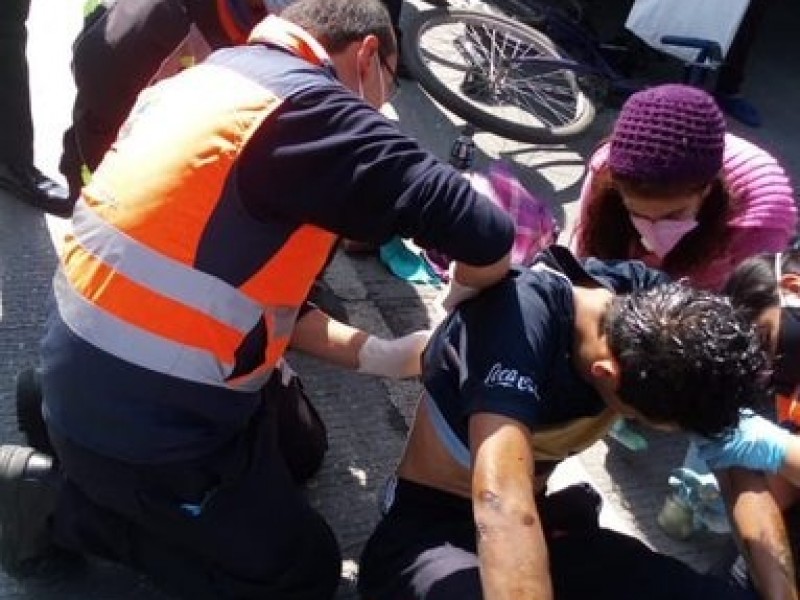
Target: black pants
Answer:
[[732, 73], [232, 524], [16, 125], [424, 549]]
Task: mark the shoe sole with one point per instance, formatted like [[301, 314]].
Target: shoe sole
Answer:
[[24, 509]]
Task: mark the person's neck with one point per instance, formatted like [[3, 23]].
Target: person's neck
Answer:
[[589, 344]]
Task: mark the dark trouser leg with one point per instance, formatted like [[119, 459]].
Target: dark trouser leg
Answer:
[[601, 565], [607, 565], [232, 525], [16, 125], [302, 436], [71, 163], [732, 73], [424, 549]]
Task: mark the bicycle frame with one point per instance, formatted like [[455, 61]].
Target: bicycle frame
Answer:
[[585, 54]]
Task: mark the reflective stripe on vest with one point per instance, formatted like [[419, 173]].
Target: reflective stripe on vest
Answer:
[[196, 302], [110, 286], [128, 283], [123, 254]]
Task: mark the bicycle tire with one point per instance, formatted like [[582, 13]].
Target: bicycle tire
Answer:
[[533, 12], [554, 102]]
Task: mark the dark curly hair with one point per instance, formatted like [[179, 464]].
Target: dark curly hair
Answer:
[[687, 357]]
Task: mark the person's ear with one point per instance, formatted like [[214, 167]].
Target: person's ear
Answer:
[[366, 55]]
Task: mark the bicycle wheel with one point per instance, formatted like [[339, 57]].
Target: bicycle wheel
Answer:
[[533, 12], [498, 74]]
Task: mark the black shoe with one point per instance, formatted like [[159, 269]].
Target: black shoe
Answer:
[[32, 187], [29, 411], [27, 500]]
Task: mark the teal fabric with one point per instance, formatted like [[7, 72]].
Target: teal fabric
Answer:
[[407, 264]]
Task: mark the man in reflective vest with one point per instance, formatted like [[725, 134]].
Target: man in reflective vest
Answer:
[[192, 250]]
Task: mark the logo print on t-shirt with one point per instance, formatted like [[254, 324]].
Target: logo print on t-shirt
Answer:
[[499, 376]]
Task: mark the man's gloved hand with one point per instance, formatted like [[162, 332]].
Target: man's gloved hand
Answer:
[[756, 444], [398, 358]]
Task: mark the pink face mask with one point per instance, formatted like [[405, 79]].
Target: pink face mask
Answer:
[[660, 237]]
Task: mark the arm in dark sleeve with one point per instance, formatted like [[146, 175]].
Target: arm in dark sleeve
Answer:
[[625, 276], [329, 159], [121, 51]]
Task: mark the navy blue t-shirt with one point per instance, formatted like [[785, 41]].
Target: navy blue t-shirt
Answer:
[[509, 350]]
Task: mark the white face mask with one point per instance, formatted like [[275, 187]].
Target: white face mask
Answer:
[[660, 237]]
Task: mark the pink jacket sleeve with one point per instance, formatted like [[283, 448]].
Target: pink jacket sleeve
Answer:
[[596, 162], [763, 212]]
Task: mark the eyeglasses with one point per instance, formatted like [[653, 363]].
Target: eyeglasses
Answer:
[[395, 86]]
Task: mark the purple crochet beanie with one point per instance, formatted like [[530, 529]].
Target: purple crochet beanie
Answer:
[[671, 134]]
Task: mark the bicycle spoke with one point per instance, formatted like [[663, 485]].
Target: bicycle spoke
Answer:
[[526, 91], [504, 70]]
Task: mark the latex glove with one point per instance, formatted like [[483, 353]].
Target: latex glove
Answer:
[[398, 358], [756, 444]]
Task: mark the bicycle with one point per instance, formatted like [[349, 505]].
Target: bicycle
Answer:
[[533, 73]]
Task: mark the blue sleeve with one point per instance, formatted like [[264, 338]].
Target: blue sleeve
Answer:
[[329, 159], [625, 276]]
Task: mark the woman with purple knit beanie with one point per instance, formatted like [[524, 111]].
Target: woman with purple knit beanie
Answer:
[[672, 188]]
